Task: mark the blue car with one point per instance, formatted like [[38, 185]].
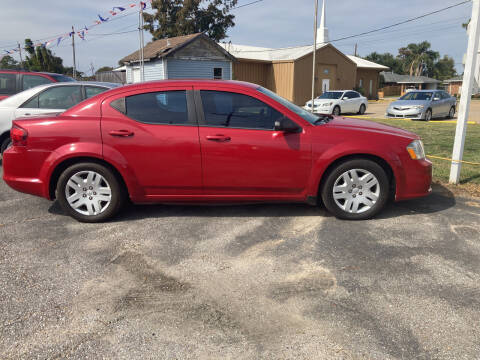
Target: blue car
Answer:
[[423, 105]]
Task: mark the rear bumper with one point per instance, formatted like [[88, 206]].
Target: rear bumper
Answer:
[[20, 176], [417, 181]]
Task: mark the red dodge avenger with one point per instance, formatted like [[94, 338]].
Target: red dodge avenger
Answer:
[[194, 141]]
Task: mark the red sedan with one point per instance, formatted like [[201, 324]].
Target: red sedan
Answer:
[[194, 141]]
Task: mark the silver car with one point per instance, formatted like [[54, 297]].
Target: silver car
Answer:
[[423, 105]]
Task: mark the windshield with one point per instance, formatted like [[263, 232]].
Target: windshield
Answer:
[[62, 78], [331, 95], [417, 95], [308, 116]]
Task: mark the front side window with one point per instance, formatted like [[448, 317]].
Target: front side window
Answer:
[[352, 95], [61, 97], [331, 95], [30, 81], [165, 107], [8, 84], [226, 109]]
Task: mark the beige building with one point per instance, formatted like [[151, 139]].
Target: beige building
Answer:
[[288, 71]]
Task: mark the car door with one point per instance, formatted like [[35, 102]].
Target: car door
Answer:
[[242, 154], [154, 133], [447, 102], [437, 104], [53, 99], [346, 105], [356, 101]]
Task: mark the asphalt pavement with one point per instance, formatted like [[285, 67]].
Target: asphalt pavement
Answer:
[[240, 282]]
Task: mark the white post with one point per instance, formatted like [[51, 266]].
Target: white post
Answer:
[[314, 52], [466, 94]]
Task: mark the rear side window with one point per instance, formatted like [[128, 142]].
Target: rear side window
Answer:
[[226, 109], [30, 81], [165, 107], [93, 90], [8, 84]]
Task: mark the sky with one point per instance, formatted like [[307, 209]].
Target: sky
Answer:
[[268, 23]]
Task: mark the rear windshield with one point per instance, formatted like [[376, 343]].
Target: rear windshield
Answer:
[[62, 78], [416, 95]]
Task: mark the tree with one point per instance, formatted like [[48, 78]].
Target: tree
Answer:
[[444, 69], [418, 59], [387, 59], [8, 62], [41, 59], [183, 17], [104, 68]]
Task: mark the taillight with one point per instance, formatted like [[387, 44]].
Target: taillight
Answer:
[[18, 136]]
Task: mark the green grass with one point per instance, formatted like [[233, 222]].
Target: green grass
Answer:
[[438, 140]]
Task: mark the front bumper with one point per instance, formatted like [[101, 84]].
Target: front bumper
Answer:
[[320, 109], [410, 113], [417, 180]]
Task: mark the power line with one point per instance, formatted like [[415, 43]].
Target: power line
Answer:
[[374, 30]]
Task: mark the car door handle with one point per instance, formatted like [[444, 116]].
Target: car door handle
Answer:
[[219, 138], [121, 133]]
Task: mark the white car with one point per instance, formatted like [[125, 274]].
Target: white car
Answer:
[[44, 99], [338, 102]]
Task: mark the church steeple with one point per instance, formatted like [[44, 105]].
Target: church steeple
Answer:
[[322, 31]]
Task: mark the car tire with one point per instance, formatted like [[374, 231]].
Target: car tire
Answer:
[[428, 115], [451, 113], [5, 144], [336, 111], [90, 192], [362, 109], [355, 189]]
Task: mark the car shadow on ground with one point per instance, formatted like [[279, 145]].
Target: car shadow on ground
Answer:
[[441, 199]]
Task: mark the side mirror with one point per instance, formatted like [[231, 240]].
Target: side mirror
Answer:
[[346, 98], [436, 98], [287, 126]]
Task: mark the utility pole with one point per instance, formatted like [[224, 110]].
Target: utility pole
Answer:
[[356, 49], [314, 52], [20, 52], [466, 94], [142, 43], [73, 48]]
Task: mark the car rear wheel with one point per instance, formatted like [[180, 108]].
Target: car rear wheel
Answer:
[[428, 115], [451, 113], [5, 145], [336, 111], [90, 192], [362, 109], [356, 189]]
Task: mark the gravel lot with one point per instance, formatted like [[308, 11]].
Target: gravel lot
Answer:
[[240, 282]]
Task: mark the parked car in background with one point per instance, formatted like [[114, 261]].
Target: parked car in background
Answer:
[[210, 141], [423, 105], [15, 81], [49, 98], [338, 102]]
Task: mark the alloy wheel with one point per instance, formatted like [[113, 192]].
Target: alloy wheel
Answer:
[[88, 193], [452, 113], [356, 191]]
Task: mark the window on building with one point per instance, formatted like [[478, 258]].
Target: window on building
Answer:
[[167, 107], [360, 83], [226, 109], [218, 73]]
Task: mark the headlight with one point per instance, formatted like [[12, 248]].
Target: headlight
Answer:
[[416, 151], [327, 104], [418, 106]]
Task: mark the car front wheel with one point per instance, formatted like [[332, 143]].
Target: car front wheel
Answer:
[[451, 113], [356, 189], [428, 115], [336, 111], [90, 192]]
